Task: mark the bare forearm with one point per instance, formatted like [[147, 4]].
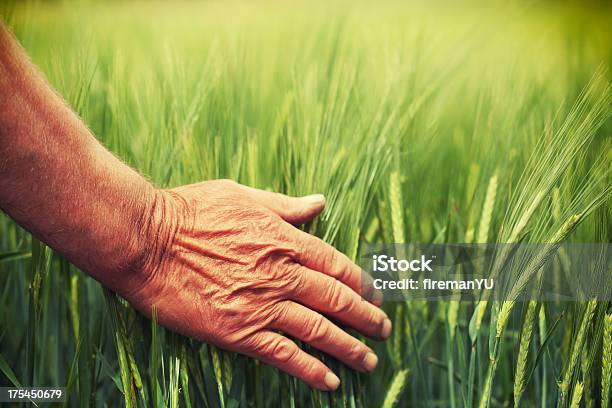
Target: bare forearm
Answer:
[[220, 262], [59, 182]]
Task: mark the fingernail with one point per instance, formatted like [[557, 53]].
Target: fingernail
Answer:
[[331, 380], [370, 361], [386, 329], [314, 199]]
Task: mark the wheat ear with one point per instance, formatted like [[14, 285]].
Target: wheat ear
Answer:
[[606, 363], [521, 364], [396, 388]]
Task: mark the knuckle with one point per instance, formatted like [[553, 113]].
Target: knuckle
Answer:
[[339, 301], [278, 312], [283, 272], [281, 350], [288, 268], [377, 320], [269, 224], [252, 345], [330, 257], [303, 244], [318, 331], [356, 351], [312, 371], [293, 277], [338, 264], [315, 249], [342, 266]]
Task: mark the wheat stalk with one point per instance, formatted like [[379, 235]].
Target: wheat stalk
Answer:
[[452, 316], [486, 390], [397, 334]]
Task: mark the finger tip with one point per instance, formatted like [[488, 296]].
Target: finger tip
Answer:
[[317, 200], [370, 361], [386, 329], [332, 382]]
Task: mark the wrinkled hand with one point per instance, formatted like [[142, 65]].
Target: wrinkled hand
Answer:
[[228, 268]]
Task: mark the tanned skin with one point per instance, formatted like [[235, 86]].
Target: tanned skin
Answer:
[[219, 262]]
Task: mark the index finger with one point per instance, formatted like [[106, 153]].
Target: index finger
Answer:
[[318, 255]]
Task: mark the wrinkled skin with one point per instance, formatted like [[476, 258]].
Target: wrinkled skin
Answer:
[[218, 261], [231, 270]]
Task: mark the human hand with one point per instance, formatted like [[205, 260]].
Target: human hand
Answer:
[[226, 266], [218, 261]]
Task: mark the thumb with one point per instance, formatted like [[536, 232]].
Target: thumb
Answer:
[[295, 210]]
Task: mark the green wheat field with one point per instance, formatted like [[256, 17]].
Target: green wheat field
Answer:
[[425, 122]]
